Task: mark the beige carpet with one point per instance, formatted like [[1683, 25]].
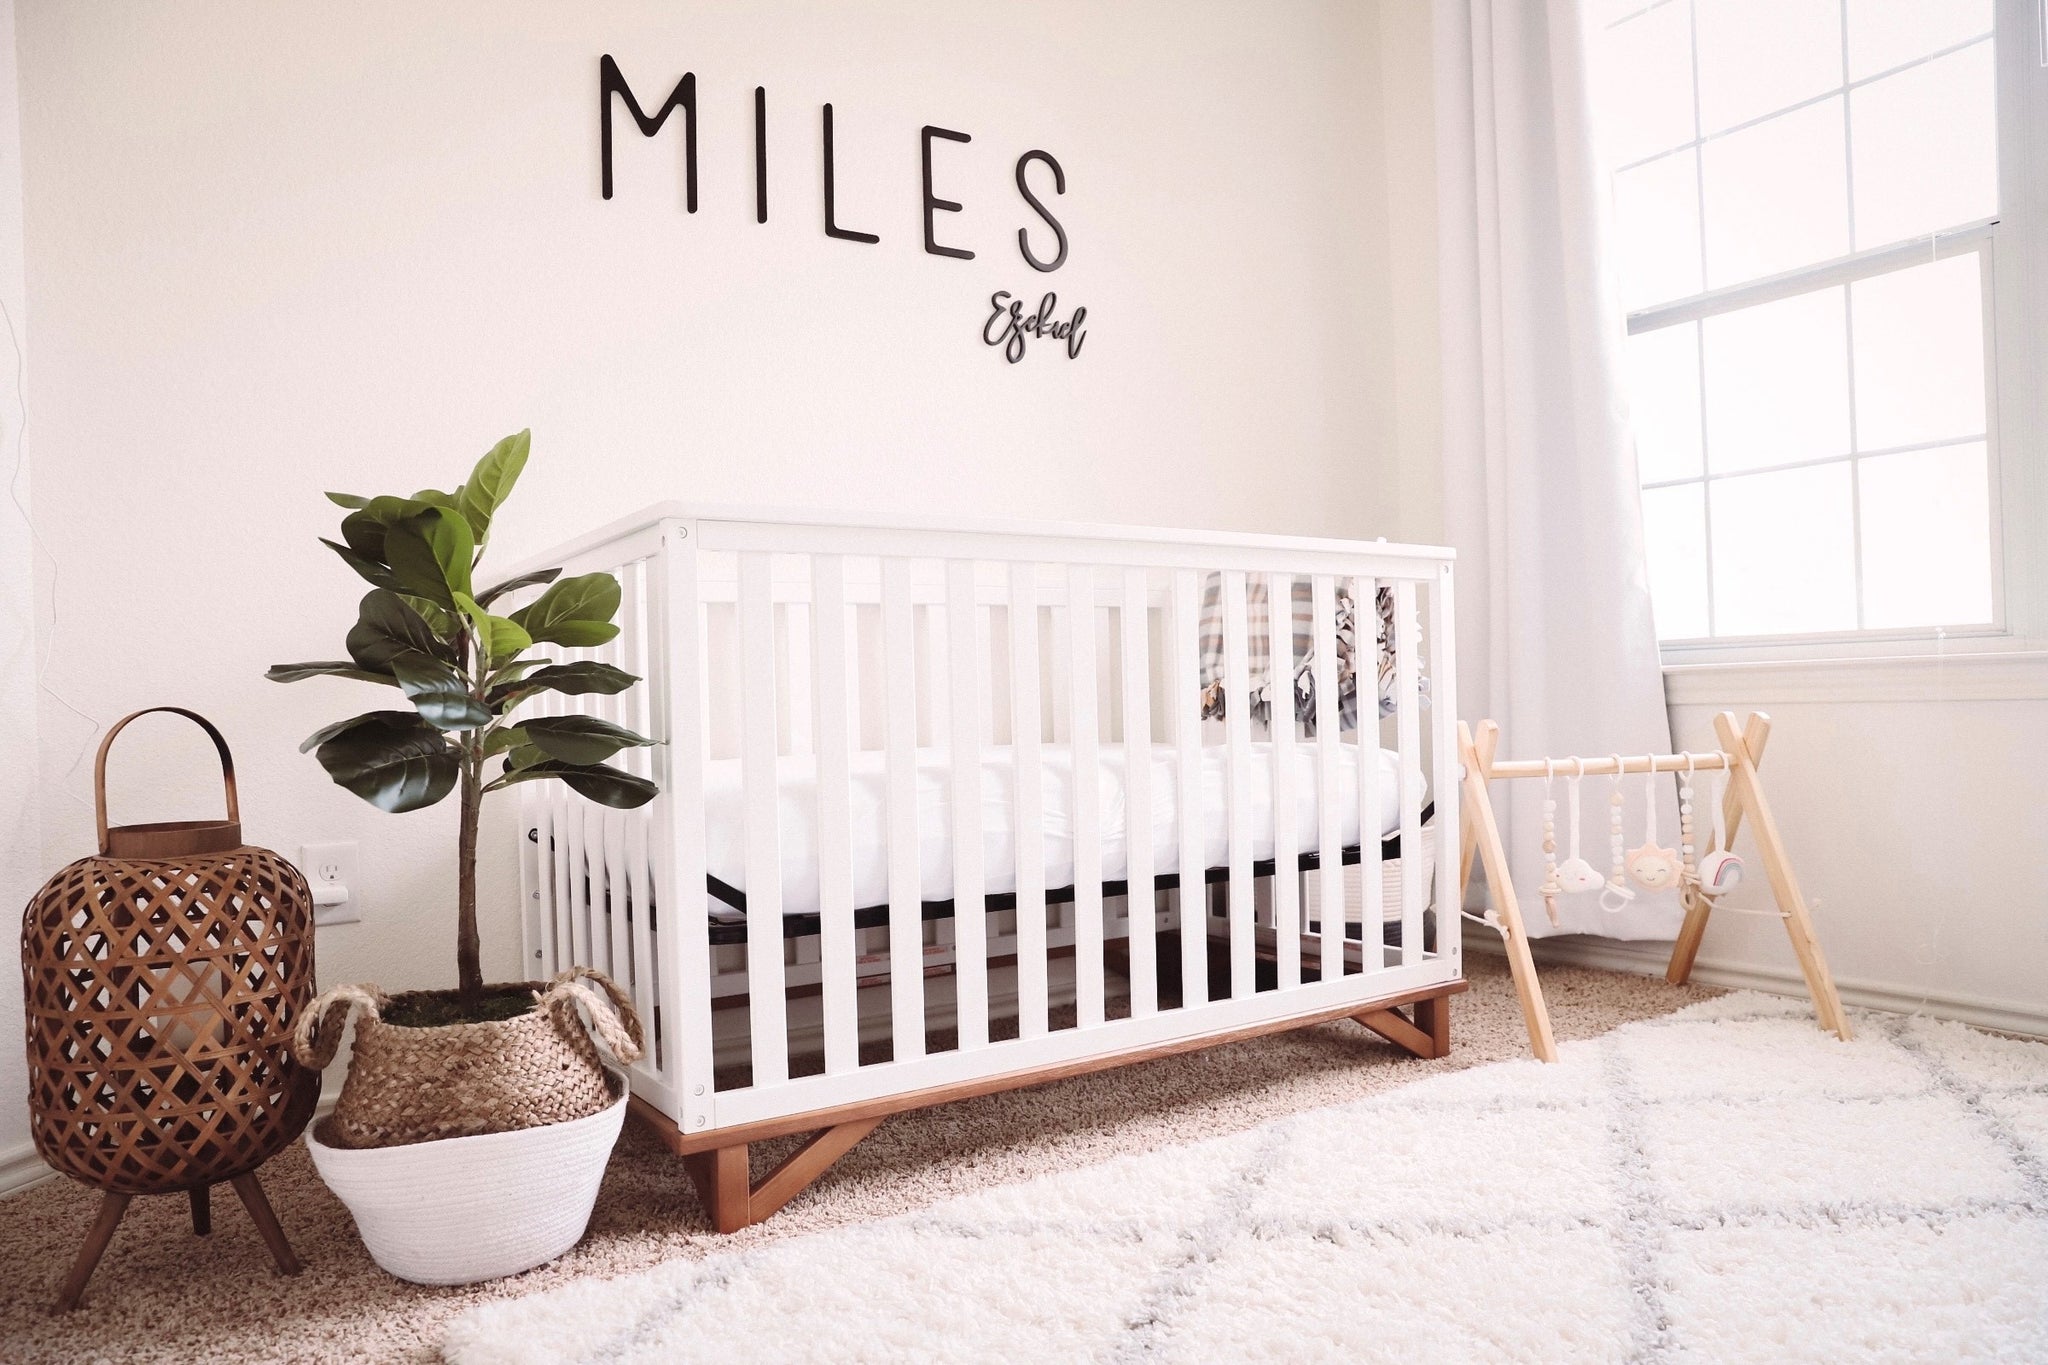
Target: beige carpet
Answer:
[[163, 1296]]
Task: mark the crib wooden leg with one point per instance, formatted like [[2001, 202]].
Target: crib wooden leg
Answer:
[[202, 1209], [733, 1202], [1433, 1017], [1428, 1036], [720, 1176]]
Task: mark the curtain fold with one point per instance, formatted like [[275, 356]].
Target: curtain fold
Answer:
[[1555, 638]]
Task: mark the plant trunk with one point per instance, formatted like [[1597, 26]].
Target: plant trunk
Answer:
[[468, 950]]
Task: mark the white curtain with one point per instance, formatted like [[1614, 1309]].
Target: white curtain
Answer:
[[1555, 640]]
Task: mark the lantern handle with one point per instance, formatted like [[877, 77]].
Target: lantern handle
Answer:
[[99, 767]]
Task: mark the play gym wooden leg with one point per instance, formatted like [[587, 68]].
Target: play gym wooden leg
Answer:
[[1820, 984], [1754, 736], [1479, 810], [112, 1206], [202, 1209], [266, 1223]]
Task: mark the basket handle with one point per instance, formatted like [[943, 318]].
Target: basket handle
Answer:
[[317, 1036], [99, 767], [608, 1014]]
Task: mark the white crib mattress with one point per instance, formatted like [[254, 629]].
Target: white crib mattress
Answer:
[[725, 829]]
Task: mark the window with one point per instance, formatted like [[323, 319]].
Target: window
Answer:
[[1808, 232]]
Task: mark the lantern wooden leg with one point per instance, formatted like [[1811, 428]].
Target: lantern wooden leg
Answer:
[[266, 1223], [112, 1206], [202, 1209]]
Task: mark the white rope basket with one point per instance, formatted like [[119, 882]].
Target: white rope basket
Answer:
[[458, 1210], [1391, 877]]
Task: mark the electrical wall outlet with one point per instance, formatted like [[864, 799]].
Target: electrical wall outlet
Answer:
[[331, 871]]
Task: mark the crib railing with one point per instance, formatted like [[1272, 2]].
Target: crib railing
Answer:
[[769, 642]]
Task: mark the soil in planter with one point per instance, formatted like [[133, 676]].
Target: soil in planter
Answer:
[[431, 1009]]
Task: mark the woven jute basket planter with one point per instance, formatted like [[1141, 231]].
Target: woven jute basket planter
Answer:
[[410, 1085]]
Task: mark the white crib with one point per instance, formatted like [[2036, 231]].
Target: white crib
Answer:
[[860, 724]]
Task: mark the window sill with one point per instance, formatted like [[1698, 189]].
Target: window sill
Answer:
[[1984, 675]]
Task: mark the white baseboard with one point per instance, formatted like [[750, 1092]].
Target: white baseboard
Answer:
[[21, 1167], [1649, 958]]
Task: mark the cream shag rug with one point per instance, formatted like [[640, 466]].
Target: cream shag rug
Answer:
[[1723, 1184]]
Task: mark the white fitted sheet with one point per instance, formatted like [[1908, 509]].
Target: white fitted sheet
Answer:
[[725, 826]]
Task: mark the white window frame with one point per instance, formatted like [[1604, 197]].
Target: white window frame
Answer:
[[2013, 250]]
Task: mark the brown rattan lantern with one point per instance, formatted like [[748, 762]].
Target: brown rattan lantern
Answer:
[[163, 979]]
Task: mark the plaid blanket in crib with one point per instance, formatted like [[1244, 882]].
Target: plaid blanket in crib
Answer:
[[1259, 651]]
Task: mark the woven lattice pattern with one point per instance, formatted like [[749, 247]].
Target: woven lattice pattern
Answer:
[[161, 998]]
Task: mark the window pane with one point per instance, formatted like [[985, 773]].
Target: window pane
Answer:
[[1926, 546], [1643, 97], [1777, 195], [1919, 354], [1885, 33], [1926, 145], [1745, 74], [1657, 222], [1778, 382], [1664, 402], [1675, 536], [1784, 552]]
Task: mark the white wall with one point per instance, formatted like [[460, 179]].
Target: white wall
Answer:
[[21, 869], [275, 250]]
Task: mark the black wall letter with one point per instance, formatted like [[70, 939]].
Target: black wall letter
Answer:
[[832, 229], [1059, 185], [760, 153], [932, 202], [610, 82]]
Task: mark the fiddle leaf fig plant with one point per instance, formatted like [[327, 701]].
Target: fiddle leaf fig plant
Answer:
[[427, 629]]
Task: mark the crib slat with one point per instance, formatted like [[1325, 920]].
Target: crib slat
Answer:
[[1329, 753], [577, 902], [633, 647], [1193, 919], [767, 1005], [1286, 822], [1237, 734], [1445, 786], [1408, 729], [1087, 821], [1137, 670], [970, 882], [1365, 624], [906, 911], [837, 984], [681, 939], [1025, 720]]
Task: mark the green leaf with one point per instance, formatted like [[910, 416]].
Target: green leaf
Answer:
[[579, 739], [327, 732], [440, 693], [347, 500], [366, 528], [606, 786], [525, 580], [502, 638], [430, 554], [371, 570], [575, 612], [571, 679], [491, 482], [392, 759], [326, 669], [386, 628], [511, 737]]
